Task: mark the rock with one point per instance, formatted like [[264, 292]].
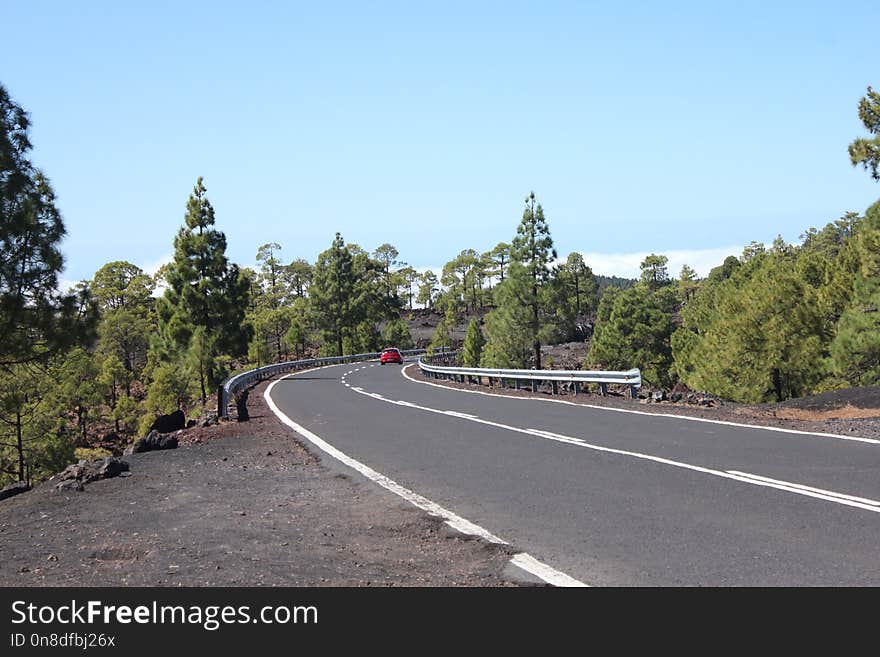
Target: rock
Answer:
[[190, 424], [658, 395], [169, 423], [70, 485], [154, 441], [74, 477], [675, 397], [14, 489], [111, 467]]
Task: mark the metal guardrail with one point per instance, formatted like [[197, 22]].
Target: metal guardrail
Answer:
[[234, 384], [574, 379]]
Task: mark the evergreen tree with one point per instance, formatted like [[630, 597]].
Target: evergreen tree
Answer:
[[298, 276], [867, 151], [36, 320], [204, 291], [499, 257], [38, 323], [397, 334], [687, 282], [581, 284], [474, 342], [331, 294], [509, 339], [442, 338], [408, 278], [532, 252], [654, 272], [124, 294], [427, 289], [387, 255], [633, 330]]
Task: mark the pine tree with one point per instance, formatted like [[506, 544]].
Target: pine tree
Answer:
[[204, 291], [867, 151], [38, 323], [531, 254], [427, 289], [509, 340], [397, 334], [124, 294], [633, 330], [332, 294], [472, 350], [36, 320]]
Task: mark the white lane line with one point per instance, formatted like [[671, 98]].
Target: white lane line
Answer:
[[542, 570], [754, 480], [522, 560], [689, 418], [860, 502]]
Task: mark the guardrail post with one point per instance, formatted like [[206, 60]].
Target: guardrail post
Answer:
[[603, 389], [577, 388], [633, 393], [555, 388]]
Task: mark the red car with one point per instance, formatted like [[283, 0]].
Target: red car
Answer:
[[391, 355]]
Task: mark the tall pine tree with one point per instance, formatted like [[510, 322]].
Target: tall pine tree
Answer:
[[204, 292], [520, 304]]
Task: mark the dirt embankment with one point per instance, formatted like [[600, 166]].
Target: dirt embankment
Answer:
[[235, 505]]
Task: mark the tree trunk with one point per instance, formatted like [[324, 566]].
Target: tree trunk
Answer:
[[535, 325], [20, 446]]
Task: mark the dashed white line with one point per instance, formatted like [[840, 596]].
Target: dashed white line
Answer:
[[689, 418], [755, 480]]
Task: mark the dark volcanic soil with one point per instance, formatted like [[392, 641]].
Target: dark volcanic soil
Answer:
[[236, 504]]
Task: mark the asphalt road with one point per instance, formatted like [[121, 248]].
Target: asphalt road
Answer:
[[606, 497]]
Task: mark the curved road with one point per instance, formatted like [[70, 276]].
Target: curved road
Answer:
[[606, 497]]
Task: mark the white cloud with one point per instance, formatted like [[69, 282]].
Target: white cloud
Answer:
[[626, 265]]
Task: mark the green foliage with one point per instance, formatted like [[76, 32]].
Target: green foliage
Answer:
[[332, 296], [204, 291], [170, 390], [442, 338], [34, 439], [474, 342], [522, 303], [90, 453], [654, 272], [397, 334], [427, 289], [759, 328], [38, 321], [867, 151], [299, 336], [509, 340], [634, 330], [78, 387]]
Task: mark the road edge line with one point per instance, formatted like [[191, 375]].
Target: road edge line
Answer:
[[522, 560]]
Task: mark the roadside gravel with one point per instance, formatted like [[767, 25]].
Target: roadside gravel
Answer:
[[239, 504]]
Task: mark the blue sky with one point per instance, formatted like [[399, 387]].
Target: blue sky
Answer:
[[684, 128]]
